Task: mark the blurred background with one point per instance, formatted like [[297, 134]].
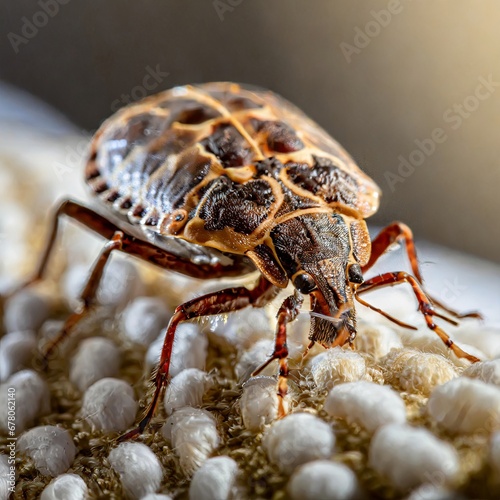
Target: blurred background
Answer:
[[410, 88]]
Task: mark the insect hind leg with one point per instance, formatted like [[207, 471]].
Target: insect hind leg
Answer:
[[118, 239], [88, 296], [130, 244], [81, 214], [398, 232]]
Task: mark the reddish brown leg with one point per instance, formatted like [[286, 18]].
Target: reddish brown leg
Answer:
[[131, 245], [223, 301], [88, 296], [425, 305], [286, 314], [395, 233], [119, 240]]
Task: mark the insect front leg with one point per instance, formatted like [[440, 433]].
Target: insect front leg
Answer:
[[425, 305], [395, 233], [223, 301], [286, 314]]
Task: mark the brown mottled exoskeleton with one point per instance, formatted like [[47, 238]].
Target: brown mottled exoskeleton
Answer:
[[218, 180]]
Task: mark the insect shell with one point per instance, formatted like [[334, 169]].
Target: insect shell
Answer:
[[220, 171]]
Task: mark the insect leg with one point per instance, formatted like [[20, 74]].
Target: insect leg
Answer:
[[117, 240], [395, 233], [134, 246], [223, 301], [88, 296], [425, 305], [81, 214], [286, 314]]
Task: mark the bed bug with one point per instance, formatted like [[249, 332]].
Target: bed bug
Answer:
[[221, 180]]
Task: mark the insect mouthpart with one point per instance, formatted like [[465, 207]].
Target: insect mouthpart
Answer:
[[331, 329], [333, 317]]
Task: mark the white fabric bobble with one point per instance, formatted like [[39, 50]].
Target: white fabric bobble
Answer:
[[143, 320], [139, 469], [428, 342], [243, 328], [485, 339], [193, 435], [296, 439], [337, 365], [65, 487], [214, 480], [253, 358], [466, 405], [417, 372], [95, 359], [25, 310], [119, 284], [186, 389], [367, 404], [487, 371], [109, 405], [323, 479], [377, 340], [16, 350], [259, 403], [429, 461], [32, 399], [431, 492], [51, 448]]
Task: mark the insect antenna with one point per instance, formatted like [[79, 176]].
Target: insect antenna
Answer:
[[386, 315], [446, 318], [331, 319]]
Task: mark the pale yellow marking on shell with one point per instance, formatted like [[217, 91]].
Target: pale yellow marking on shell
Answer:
[[306, 154], [210, 101], [304, 211], [348, 221], [268, 241], [228, 240], [149, 106], [362, 250], [240, 174], [369, 192], [255, 258], [270, 221]]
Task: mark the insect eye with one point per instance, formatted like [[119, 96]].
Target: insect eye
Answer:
[[355, 274], [304, 283]]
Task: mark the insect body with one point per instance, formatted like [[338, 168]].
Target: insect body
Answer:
[[219, 180], [244, 173]]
